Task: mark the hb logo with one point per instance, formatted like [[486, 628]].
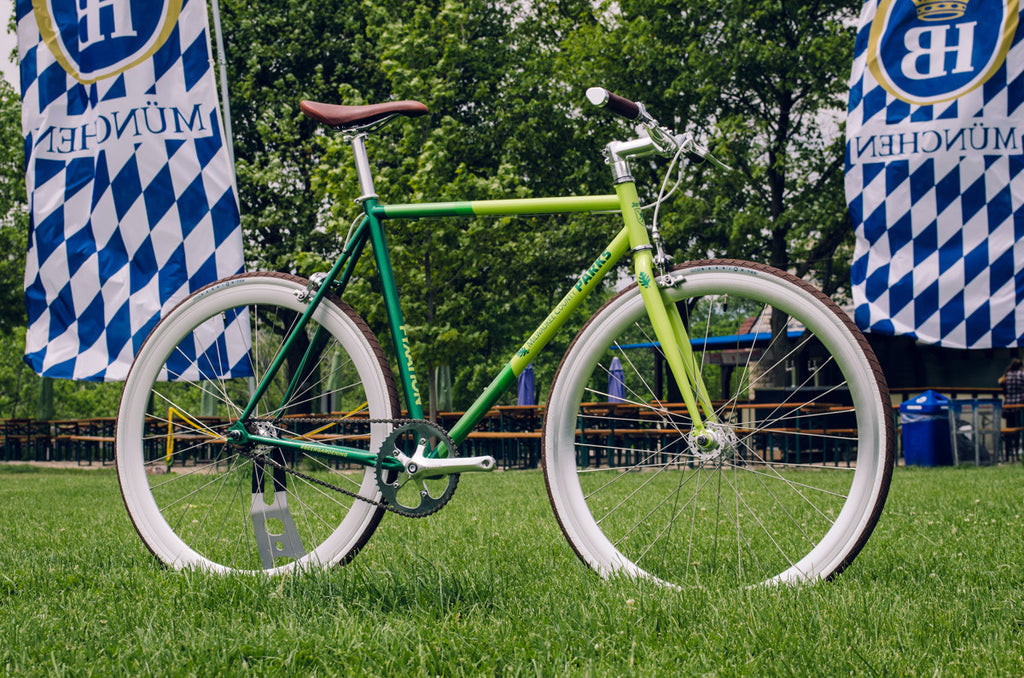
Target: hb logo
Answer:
[[119, 25], [926, 52], [96, 39]]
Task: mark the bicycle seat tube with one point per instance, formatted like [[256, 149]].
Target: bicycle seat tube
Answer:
[[389, 288]]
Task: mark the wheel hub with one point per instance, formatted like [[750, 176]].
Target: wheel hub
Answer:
[[715, 444], [266, 430]]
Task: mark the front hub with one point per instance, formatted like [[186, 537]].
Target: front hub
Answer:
[[715, 444]]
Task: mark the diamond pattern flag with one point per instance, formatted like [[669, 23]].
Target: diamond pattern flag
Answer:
[[131, 189], [935, 171]]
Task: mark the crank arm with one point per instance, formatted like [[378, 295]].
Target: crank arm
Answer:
[[419, 466]]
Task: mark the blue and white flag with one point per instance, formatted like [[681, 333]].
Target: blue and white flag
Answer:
[[935, 171], [131, 189]]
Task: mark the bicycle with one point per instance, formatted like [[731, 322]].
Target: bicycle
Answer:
[[277, 389]]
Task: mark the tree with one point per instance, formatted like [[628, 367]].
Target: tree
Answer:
[[280, 52], [496, 129], [505, 86], [765, 80], [13, 210], [17, 383]]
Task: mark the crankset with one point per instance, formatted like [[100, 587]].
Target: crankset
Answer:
[[415, 489]]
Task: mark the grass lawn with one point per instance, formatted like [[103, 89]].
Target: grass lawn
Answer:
[[489, 587]]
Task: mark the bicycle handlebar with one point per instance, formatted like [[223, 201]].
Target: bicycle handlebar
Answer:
[[658, 139], [602, 98]]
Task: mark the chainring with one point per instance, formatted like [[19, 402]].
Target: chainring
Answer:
[[410, 495]]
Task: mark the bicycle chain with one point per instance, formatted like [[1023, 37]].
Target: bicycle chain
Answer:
[[355, 495]]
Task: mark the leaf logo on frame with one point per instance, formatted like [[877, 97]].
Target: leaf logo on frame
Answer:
[[97, 39], [926, 52]]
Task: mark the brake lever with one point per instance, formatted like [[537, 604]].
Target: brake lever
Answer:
[[664, 142], [689, 144]]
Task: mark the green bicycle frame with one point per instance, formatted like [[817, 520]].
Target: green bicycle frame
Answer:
[[668, 326]]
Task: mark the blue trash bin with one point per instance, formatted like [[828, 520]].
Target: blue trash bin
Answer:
[[925, 422]]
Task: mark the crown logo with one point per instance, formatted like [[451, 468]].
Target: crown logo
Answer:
[[930, 10]]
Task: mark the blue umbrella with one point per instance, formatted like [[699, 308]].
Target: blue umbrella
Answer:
[[616, 382], [527, 389]]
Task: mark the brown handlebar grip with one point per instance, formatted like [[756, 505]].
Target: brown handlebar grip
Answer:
[[601, 97]]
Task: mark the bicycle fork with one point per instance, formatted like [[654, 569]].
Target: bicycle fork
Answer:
[[669, 329]]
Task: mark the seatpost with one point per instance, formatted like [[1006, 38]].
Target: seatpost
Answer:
[[358, 142]]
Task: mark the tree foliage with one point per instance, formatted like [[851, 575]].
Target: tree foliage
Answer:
[[505, 84], [16, 383], [473, 288], [279, 52], [13, 210], [763, 81]]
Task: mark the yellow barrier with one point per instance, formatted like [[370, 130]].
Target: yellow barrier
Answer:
[[198, 426]]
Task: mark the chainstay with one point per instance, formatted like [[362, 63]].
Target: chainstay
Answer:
[[348, 493]]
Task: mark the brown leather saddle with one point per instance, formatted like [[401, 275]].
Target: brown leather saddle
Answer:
[[353, 117]]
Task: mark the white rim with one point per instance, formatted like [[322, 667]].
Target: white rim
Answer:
[[145, 513], [566, 492]]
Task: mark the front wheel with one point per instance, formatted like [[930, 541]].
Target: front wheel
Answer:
[[199, 501], [801, 417]]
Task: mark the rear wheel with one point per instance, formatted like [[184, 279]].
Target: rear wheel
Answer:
[[198, 501], [802, 421]]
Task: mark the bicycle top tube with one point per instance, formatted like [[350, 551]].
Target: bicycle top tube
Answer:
[[480, 208]]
